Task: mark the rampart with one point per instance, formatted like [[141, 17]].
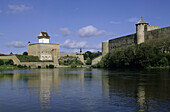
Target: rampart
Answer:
[[157, 34], [122, 41], [72, 54]]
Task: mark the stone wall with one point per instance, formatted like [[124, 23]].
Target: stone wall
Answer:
[[14, 58], [81, 57], [122, 41], [96, 60], [150, 27], [157, 34], [105, 48], [43, 50]]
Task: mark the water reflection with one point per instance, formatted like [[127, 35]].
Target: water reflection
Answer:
[[93, 89]]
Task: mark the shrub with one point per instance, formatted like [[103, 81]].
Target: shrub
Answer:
[[164, 62], [51, 66], [1, 62], [9, 62]]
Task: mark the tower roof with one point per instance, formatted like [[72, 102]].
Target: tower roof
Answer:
[[43, 35], [142, 21]]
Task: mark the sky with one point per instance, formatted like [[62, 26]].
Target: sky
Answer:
[[75, 24]]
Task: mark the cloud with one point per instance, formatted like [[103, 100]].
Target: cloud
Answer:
[[16, 44], [65, 32], [0, 11], [114, 22], [72, 44], [18, 8], [90, 31], [1, 34], [133, 19]]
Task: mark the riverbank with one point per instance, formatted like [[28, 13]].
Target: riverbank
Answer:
[[155, 54]]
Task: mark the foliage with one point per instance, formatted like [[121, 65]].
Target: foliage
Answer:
[[9, 62], [91, 55], [25, 53], [88, 61], [51, 66], [21, 66], [25, 58], [150, 54], [1, 62], [70, 60]]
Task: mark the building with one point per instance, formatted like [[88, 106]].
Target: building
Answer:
[[47, 51], [144, 33]]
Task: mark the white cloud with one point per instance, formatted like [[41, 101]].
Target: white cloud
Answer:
[[18, 8], [72, 44], [1, 34], [65, 32], [16, 44], [114, 22], [0, 11], [133, 19], [90, 31]]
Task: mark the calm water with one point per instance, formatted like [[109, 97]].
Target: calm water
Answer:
[[84, 90]]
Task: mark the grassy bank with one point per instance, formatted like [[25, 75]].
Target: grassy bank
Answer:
[[151, 55]]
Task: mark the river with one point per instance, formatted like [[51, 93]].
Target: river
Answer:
[[84, 90]]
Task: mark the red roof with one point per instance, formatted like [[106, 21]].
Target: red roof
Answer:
[[44, 35]]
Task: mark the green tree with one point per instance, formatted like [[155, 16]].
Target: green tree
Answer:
[[9, 62], [88, 61], [1, 62], [25, 53]]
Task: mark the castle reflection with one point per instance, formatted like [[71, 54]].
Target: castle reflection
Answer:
[[120, 88]]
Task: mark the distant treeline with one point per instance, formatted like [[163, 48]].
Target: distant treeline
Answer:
[[149, 54]]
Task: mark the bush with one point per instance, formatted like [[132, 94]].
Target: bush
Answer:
[[51, 66], [70, 60], [164, 62], [88, 61], [1, 62], [9, 62], [25, 53]]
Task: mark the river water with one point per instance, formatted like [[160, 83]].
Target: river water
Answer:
[[84, 90]]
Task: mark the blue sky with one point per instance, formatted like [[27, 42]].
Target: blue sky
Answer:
[[75, 24]]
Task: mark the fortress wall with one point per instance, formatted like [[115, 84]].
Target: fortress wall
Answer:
[[149, 27], [14, 58], [122, 41], [105, 48], [72, 54], [157, 34]]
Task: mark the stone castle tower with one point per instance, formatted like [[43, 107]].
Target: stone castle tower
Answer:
[[140, 31]]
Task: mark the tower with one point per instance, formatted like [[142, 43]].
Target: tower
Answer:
[[141, 27], [43, 37]]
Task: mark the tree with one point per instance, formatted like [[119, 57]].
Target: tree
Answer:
[[25, 53], [1, 62], [9, 62], [88, 61]]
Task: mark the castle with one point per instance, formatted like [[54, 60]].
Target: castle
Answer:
[[48, 51], [144, 33]]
